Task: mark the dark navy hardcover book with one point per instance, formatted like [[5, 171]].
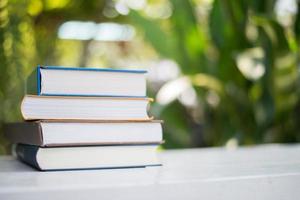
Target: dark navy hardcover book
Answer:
[[28, 154]]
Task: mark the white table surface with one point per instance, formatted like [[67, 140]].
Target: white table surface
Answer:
[[263, 172]]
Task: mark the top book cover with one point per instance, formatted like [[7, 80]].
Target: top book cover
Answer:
[[71, 81]]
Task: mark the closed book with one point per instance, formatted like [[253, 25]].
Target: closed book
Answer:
[[67, 81], [35, 107], [87, 157], [83, 133]]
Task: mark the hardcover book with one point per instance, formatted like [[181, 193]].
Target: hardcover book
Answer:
[[66, 81], [87, 108], [75, 133], [91, 157]]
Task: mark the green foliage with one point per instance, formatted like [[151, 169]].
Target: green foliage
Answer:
[[250, 109], [239, 60]]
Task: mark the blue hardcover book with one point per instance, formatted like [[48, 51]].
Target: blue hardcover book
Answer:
[[65, 81], [87, 157]]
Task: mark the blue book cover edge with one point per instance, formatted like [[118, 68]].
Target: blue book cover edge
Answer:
[[99, 168], [93, 69], [38, 78], [90, 95]]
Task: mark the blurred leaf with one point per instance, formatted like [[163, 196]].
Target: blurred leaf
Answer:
[[274, 32], [189, 37], [176, 126], [297, 24], [159, 39], [228, 24], [208, 82]]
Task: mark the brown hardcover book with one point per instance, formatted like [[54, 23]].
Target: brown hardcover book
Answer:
[[83, 133]]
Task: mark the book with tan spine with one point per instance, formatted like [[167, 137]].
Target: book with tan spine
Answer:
[[36, 107]]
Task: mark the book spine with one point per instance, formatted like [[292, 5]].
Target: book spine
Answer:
[[25, 133], [33, 84], [28, 154]]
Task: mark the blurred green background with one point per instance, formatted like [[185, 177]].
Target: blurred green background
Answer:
[[222, 72]]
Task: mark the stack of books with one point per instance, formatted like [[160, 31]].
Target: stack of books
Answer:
[[86, 118]]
